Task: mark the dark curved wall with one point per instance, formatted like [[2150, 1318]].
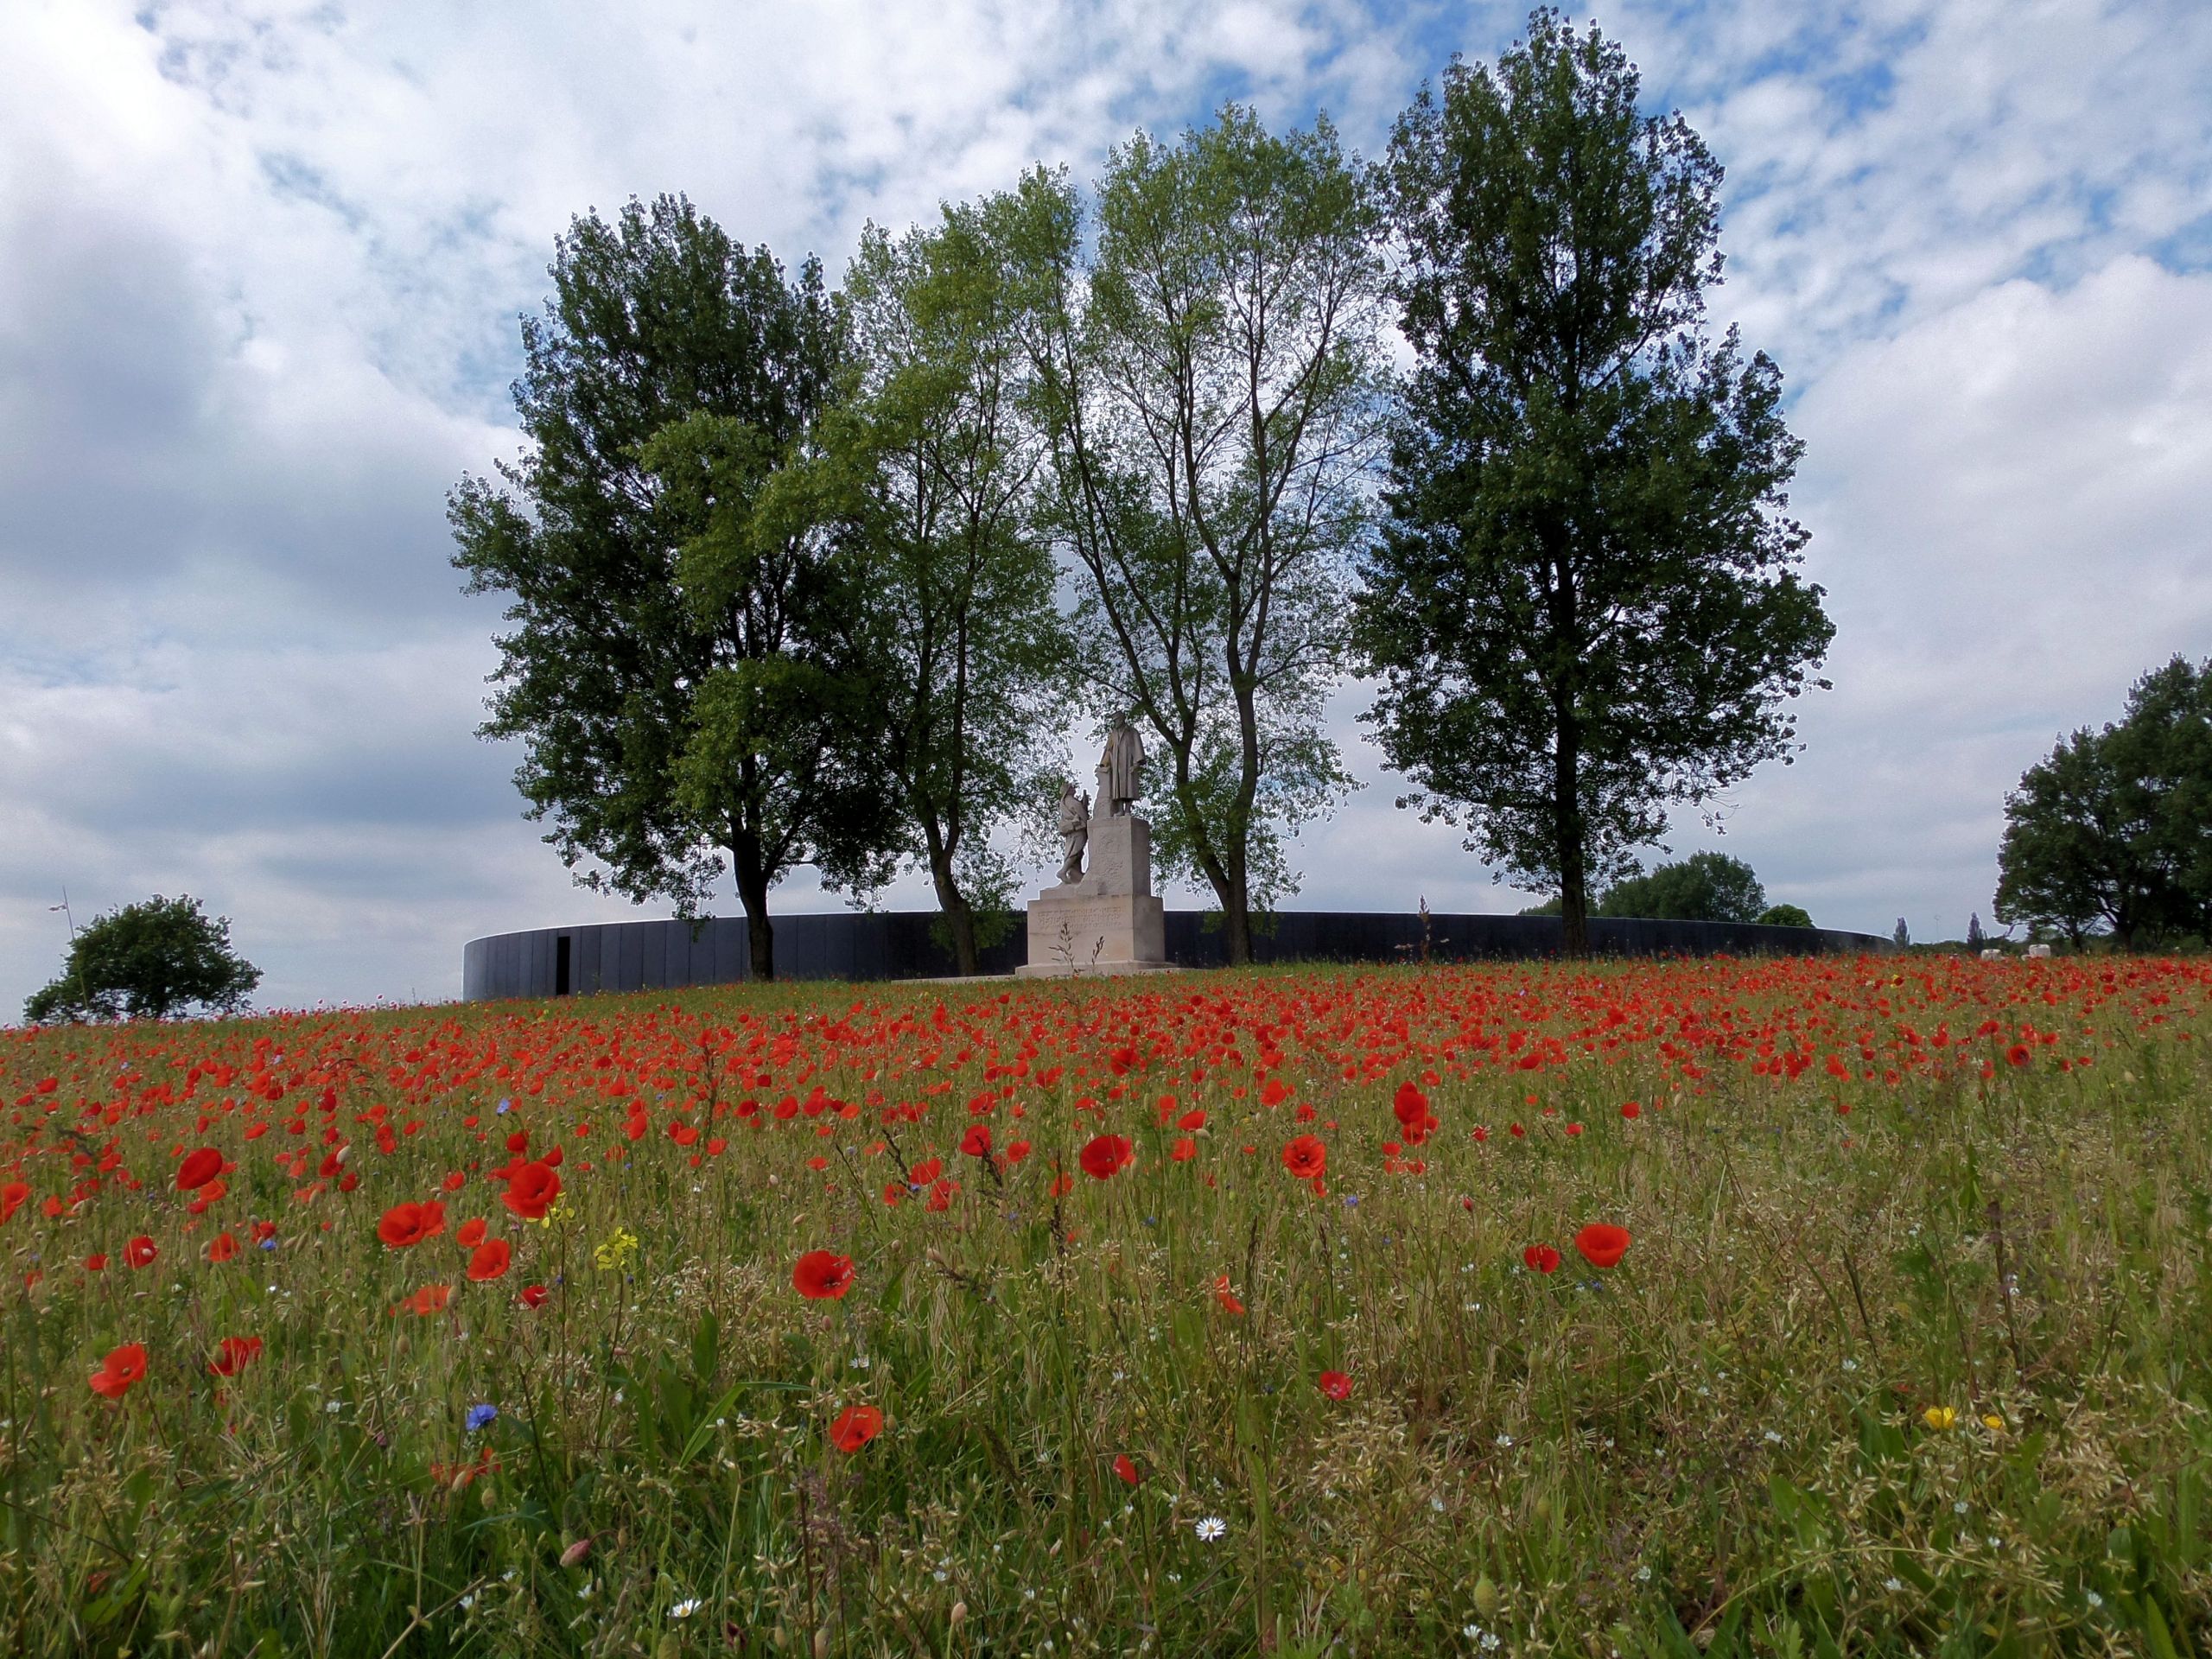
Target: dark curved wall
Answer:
[[666, 955]]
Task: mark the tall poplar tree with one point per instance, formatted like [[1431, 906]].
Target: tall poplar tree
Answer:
[[973, 665], [1208, 378], [681, 665], [1584, 609]]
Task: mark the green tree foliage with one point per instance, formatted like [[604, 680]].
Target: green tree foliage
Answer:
[[148, 960], [1208, 379], [973, 662], [2112, 831], [1703, 888], [1584, 609], [682, 666]]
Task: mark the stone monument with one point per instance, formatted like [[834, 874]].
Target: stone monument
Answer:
[[1105, 921]]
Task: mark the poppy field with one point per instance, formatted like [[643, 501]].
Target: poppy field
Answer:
[[1797, 1308]]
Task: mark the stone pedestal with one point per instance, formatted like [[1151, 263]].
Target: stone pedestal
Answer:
[[1107, 923]]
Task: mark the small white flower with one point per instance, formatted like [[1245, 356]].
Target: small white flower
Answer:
[[1436, 1503], [1644, 1573], [1773, 1438], [1959, 1507], [1850, 1364], [2092, 1598], [1506, 1440], [1490, 1644], [1995, 1543], [1211, 1528], [1892, 1584], [940, 1574], [1473, 1632], [334, 1405], [684, 1608], [467, 1602]]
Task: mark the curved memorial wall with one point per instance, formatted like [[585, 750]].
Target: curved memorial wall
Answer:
[[667, 955]]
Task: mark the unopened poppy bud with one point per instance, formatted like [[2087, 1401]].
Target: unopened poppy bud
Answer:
[[1486, 1597], [958, 1615], [575, 1551]]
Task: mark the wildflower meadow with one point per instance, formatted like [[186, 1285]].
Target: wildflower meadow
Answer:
[[1831, 1306]]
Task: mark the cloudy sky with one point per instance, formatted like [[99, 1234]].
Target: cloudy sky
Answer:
[[260, 267]]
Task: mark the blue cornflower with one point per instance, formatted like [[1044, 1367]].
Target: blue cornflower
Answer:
[[268, 1243], [502, 1107], [478, 1417]]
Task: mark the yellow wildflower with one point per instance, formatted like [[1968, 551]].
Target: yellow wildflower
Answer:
[[1993, 1423], [621, 1244], [1941, 1417]]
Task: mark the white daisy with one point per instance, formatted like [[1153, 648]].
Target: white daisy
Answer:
[[1211, 1528]]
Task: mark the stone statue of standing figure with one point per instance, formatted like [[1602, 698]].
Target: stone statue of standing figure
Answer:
[[1075, 832], [1118, 770]]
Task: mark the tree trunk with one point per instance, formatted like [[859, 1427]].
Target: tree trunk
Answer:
[[1566, 812], [752, 894], [1236, 925], [959, 914]]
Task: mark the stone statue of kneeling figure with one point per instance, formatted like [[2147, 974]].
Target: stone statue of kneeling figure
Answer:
[[1075, 833]]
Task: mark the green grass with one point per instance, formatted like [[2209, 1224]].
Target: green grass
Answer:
[[1717, 1447]]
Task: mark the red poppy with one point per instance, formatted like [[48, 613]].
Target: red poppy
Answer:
[[1226, 1297], [1185, 1149], [1410, 1107], [489, 1260], [1336, 1385], [822, 1275], [1602, 1244], [238, 1352], [855, 1427], [411, 1223], [470, 1234], [222, 1247], [12, 1196], [141, 1251], [1307, 1157], [122, 1367], [531, 1190], [1542, 1258], [199, 1167], [1127, 1470], [534, 1295], [977, 1143], [431, 1299], [1631, 1110], [1106, 1155], [96, 1262]]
